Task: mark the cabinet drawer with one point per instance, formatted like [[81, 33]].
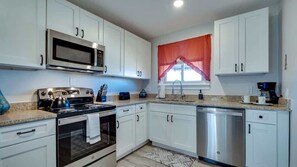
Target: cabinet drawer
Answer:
[[160, 107], [140, 108], [28, 131], [268, 117], [183, 110], [124, 111]]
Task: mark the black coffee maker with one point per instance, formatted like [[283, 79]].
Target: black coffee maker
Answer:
[[267, 89]]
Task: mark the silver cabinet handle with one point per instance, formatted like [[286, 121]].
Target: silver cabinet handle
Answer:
[[125, 110], [30, 131]]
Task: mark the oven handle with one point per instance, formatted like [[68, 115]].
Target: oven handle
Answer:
[[80, 118]]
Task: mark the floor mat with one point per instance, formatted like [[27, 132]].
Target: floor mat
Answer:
[[169, 158]]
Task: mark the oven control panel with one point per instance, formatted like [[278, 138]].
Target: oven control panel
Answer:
[[68, 92]]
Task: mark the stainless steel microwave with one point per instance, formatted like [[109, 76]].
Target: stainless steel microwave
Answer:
[[65, 52]]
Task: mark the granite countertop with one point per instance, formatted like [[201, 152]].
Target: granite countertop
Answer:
[[23, 116], [203, 103]]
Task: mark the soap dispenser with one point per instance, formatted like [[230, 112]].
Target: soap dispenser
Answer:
[[200, 95]]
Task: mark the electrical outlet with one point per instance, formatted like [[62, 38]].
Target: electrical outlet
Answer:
[[250, 90], [72, 82]]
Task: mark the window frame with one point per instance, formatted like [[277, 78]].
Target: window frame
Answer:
[[202, 83]]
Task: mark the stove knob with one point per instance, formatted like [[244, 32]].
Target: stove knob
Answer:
[[87, 92], [91, 92], [50, 93], [43, 93]]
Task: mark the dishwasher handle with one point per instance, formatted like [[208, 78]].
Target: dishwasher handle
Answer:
[[220, 111]]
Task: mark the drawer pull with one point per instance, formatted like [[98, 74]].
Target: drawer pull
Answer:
[[30, 131], [125, 110], [171, 118], [118, 124], [261, 117], [167, 118], [137, 118], [141, 108], [249, 128]]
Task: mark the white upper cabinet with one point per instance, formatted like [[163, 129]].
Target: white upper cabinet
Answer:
[[63, 16], [254, 41], [91, 27], [241, 43], [114, 49], [137, 57], [22, 31], [68, 18], [226, 46]]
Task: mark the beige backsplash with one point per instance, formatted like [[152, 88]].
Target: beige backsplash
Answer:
[[33, 105]]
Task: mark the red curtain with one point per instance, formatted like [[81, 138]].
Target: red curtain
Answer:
[[195, 52]]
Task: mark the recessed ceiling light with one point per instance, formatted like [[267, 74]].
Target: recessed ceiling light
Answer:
[[178, 3]]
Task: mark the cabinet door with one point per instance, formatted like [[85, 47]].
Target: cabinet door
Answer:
[[40, 152], [91, 27], [160, 128], [144, 59], [22, 32], [114, 49], [183, 132], [131, 50], [141, 128], [63, 16], [254, 41], [226, 46], [261, 145], [125, 135]]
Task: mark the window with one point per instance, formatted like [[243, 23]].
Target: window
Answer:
[[184, 73]]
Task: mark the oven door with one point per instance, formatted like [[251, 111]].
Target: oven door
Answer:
[[71, 52], [71, 140]]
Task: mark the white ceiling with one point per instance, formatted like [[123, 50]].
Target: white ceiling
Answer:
[[153, 18]]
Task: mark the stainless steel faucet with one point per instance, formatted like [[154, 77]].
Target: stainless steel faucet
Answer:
[[181, 88]]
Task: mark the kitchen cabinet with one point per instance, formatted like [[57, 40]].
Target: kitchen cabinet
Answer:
[[183, 135], [240, 47], [125, 130], [174, 126], [267, 138], [137, 57], [131, 128], [141, 125], [23, 25], [68, 18], [29, 144], [114, 49], [261, 145], [91, 27]]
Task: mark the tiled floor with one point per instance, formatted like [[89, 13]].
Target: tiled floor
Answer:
[[137, 159]]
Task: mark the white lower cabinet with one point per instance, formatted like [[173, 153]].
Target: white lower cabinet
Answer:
[[261, 145], [183, 131], [125, 134], [140, 128], [267, 138], [159, 127], [174, 130], [29, 144], [39, 152], [131, 128]]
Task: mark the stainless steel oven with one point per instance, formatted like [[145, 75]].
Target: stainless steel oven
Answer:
[[74, 151], [65, 52]]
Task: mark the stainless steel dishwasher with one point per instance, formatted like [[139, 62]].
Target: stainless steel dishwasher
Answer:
[[221, 136]]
